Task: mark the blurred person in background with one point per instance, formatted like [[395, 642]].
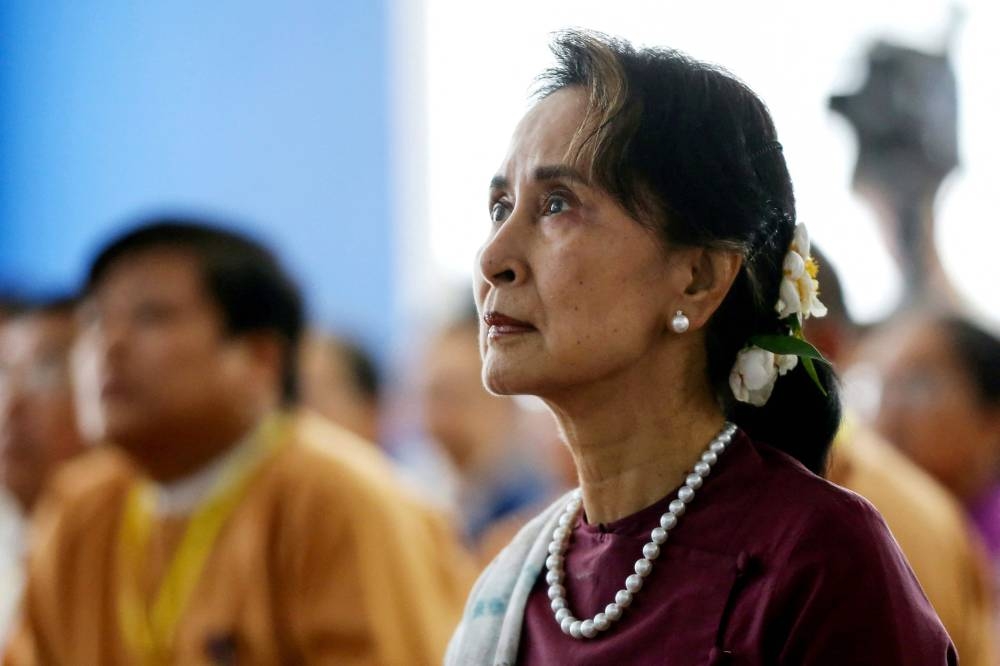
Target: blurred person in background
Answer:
[[11, 520], [502, 477], [38, 426], [926, 520], [220, 525], [941, 406], [341, 382]]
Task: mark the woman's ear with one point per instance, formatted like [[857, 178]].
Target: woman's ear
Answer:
[[709, 274]]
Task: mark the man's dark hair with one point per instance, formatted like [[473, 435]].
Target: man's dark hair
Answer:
[[61, 305], [244, 279], [361, 367]]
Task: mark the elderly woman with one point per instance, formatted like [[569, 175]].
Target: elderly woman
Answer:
[[645, 277]]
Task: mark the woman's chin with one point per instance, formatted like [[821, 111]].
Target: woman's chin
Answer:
[[498, 386], [506, 381]]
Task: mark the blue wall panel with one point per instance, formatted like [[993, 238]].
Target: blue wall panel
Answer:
[[272, 113]]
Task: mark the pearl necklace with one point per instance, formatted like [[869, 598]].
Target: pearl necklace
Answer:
[[591, 628]]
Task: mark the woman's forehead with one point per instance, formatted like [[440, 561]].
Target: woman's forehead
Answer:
[[545, 134]]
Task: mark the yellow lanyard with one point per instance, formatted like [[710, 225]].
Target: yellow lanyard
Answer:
[[148, 630]]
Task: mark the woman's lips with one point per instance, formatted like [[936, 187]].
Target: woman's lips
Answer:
[[500, 325]]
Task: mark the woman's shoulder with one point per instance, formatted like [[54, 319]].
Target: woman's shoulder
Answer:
[[811, 512], [825, 558], [782, 470]]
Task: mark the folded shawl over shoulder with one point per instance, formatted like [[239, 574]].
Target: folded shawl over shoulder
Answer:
[[818, 579]]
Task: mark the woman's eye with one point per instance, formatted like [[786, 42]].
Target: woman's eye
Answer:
[[499, 212], [555, 205]]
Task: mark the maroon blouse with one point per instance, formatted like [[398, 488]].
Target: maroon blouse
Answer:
[[769, 565]]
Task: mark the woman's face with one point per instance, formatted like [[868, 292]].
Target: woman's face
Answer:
[[572, 289], [931, 411]]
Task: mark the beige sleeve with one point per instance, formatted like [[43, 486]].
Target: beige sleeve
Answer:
[[373, 579], [976, 636]]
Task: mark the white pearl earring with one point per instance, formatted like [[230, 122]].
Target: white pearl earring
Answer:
[[680, 322]]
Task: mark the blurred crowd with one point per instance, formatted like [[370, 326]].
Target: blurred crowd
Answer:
[[180, 355], [926, 451]]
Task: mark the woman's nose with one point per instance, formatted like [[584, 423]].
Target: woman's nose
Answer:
[[502, 259]]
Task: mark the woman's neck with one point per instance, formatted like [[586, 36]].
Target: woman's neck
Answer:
[[633, 439]]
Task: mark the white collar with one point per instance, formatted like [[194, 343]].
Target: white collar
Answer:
[[182, 496]]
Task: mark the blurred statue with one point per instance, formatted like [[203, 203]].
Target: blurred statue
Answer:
[[905, 116]]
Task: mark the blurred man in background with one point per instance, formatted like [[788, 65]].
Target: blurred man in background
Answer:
[[501, 463], [924, 517], [340, 381], [38, 426], [222, 526]]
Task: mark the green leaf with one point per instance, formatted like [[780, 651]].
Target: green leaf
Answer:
[[787, 345], [807, 363]]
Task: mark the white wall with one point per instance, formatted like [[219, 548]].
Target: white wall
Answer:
[[480, 60]]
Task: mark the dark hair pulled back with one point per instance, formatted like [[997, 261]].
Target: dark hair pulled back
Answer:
[[689, 149]]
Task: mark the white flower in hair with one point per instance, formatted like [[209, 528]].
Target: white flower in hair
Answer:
[[769, 356], [755, 372], [799, 293]]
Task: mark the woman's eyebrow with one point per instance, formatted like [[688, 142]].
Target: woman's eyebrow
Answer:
[[560, 172], [543, 173]]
